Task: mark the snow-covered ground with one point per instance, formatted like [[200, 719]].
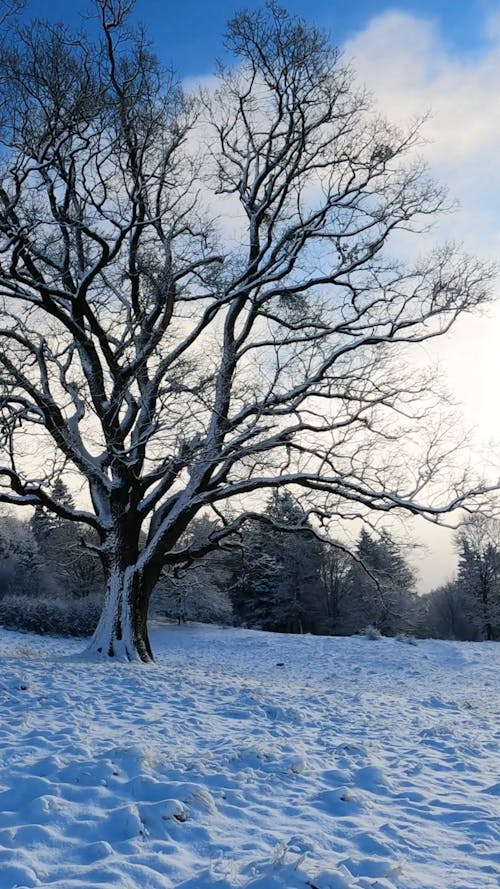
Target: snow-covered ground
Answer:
[[246, 759]]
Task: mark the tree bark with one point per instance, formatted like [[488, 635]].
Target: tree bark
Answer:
[[122, 631], [488, 628]]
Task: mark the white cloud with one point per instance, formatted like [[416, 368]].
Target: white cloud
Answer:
[[408, 66]]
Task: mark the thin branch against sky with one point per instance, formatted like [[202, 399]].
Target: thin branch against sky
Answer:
[[416, 55]]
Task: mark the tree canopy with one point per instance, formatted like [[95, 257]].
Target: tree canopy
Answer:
[[199, 298]]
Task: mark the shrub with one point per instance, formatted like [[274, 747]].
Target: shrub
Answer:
[[371, 632], [406, 639], [55, 616]]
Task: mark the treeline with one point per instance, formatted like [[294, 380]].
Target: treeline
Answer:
[[276, 575], [290, 581], [51, 580], [468, 607]]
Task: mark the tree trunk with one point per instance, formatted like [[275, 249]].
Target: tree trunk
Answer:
[[487, 626], [122, 631]]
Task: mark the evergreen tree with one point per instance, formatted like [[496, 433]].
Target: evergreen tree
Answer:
[[65, 549], [478, 578], [381, 587], [18, 556], [279, 586], [43, 523], [254, 585]]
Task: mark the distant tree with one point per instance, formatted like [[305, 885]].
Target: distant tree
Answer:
[[67, 549], [254, 586], [18, 556], [279, 584], [478, 580], [40, 589], [445, 613], [381, 587], [199, 589], [173, 363], [298, 556], [334, 569], [44, 523]]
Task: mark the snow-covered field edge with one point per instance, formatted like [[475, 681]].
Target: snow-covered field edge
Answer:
[[245, 759]]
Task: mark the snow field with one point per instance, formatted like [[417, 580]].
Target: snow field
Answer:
[[358, 763]]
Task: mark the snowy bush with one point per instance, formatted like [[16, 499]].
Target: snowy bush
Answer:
[[406, 639], [371, 632], [195, 597], [54, 616]]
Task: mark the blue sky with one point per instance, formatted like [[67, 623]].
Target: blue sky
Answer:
[[188, 34]]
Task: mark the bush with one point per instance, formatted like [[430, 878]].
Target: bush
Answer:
[[406, 639], [194, 596], [371, 632], [57, 617]]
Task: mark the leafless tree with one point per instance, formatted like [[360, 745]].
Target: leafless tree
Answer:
[[445, 615], [197, 302]]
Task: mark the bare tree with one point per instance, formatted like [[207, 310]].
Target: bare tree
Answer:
[[186, 324], [444, 614]]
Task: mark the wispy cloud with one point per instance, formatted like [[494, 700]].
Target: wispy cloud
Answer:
[[406, 63], [410, 69]]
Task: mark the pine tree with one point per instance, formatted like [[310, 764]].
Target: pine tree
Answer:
[[254, 581], [64, 552], [381, 587], [280, 585], [478, 578], [18, 556], [43, 523]]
